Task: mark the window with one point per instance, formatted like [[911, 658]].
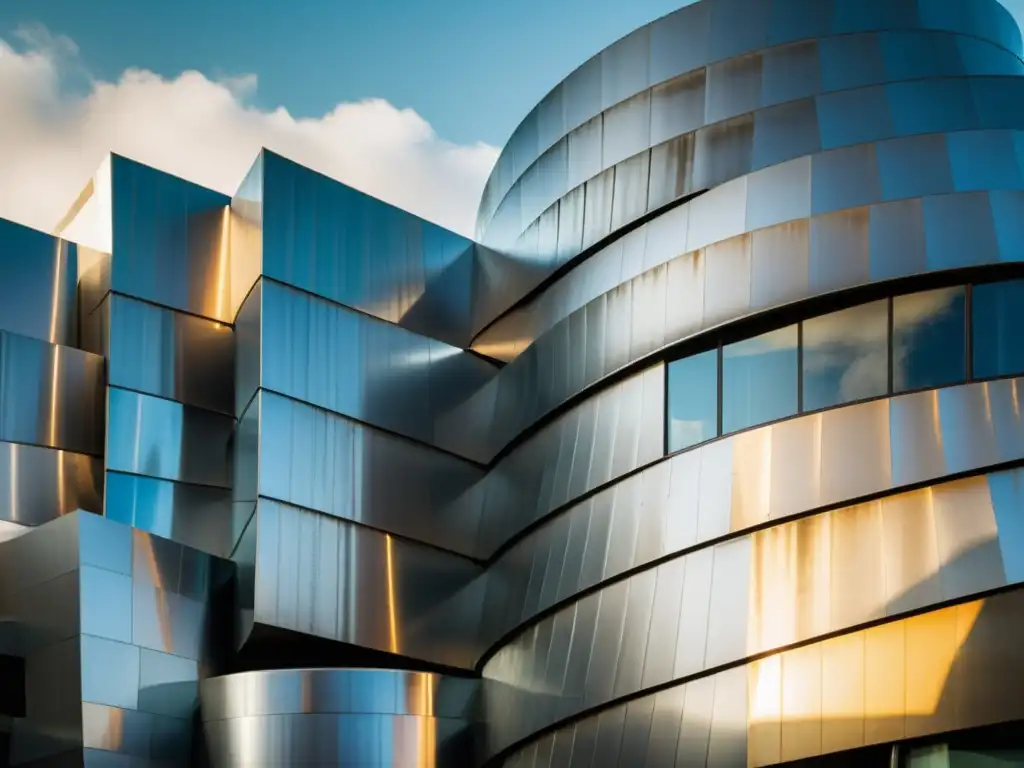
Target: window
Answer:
[[692, 400], [846, 356], [997, 315], [929, 345], [759, 379]]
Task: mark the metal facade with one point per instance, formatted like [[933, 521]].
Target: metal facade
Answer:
[[708, 451]]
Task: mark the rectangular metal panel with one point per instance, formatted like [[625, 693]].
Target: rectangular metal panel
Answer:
[[372, 590], [333, 241], [246, 235], [395, 379], [171, 241], [50, 395], [170, 354], [39, 274], [197, 516], [248, 349], [163, 439], [315, 459], [41, 484]]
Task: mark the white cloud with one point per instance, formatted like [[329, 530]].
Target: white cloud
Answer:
[[53, 138]]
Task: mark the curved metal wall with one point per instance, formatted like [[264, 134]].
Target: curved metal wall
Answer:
[[830, 199], [757, 593], [341, 717], [747, 480], [949, 669], [710, 608], [703, 34]]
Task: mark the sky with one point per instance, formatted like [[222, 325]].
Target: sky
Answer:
[[408, 100]]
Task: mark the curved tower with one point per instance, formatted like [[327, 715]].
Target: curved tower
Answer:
[[764, 497], [709, 451]]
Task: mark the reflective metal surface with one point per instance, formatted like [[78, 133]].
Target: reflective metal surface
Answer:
[[708, 454], [50, 395], [747, 480], [736, 277], [798, 580], [330, 578], [164, 439], [39, 273], [767, 62], [341, 717], [595, 443], [170, 354], [40, 484], [318, 460], [945, 670], [128, 614], [392, 378], [839, 192], [170, 241]]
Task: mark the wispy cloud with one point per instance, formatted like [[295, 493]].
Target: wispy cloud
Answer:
[[52, 137]]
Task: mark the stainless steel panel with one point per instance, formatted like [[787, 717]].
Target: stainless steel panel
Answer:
[[339, 691], [41, 484], [89, 683], [627, 130], [767, 474], [39, 274], [678, 106], [106, 604], [171, 354], [315, 459], [839, 694], [197, 516], [828, 252], [170, 241], [799, 580], [333, 241], [173, 604], [534, 479], [396, 379], [629, 197], [163, 439], [780, 131], [139, 737], [110, 673], [246, 235], [597, 209], [853, 54], [248, 349], [50, 395], [327, 577]]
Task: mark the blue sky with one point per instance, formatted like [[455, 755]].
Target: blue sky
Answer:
[[472, 68], [408, 100]]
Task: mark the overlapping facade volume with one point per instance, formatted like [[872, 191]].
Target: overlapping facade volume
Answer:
[[709, 451]]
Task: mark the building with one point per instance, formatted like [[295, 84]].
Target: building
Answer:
[[708, 452]]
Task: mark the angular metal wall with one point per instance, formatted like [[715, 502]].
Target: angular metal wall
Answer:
[[116, 628]]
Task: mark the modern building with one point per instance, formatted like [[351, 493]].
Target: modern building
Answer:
[[708, 452]]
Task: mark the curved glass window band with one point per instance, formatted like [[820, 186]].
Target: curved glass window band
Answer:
[[901, 344]]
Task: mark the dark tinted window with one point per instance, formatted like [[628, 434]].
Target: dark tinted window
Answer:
[[928, 339], [997, 311]]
